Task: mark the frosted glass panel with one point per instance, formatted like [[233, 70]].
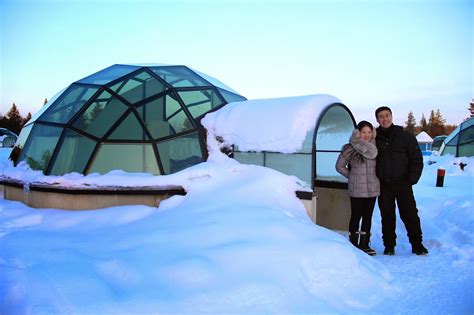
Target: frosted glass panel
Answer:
[[129, 129], [70, 102], [74, 153], [108, 74], [179, 76], [40, 146], [200, 102], [334, 129], [466, 150], [231, 97], [308, 142], [128, 157], [326, 167], [298, 165], [255, 158], [180, 153], [101, 115], [466, 135], [138, 87]]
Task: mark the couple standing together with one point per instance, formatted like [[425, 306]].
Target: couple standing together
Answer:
[[385, 162]]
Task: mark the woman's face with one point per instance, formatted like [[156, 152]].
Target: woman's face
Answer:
[[366, 133]]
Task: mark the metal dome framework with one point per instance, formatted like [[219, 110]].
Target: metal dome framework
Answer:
[[461, 141], [128, 117]]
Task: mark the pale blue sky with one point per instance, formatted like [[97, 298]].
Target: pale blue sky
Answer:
[[410, 55]]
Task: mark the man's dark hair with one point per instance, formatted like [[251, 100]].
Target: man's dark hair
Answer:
[[381, 108]]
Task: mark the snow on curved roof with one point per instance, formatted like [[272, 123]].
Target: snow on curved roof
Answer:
[[423, 137], [274, 124]]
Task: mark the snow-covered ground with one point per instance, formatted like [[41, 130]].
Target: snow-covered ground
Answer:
[[238, 242]]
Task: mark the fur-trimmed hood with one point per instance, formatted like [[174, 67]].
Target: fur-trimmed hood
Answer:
[[366, 149]]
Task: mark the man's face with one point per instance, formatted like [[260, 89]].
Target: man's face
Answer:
[[384, 118]]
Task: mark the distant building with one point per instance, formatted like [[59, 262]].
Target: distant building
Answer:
[[425, 142]]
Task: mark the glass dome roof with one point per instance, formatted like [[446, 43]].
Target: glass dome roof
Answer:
[[137, 118]]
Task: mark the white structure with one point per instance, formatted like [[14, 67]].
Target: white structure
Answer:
[[425, 141]]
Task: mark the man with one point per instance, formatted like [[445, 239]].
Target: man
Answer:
[[399, 166]]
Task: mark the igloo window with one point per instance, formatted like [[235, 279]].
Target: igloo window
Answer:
[[334, 130], [39, 148], [256, 158], [101, 115], [65, 107], [180, 153], [164, 117], [138, 87], [298, 165], [179, 76], [230, 97], [200, 102], [129, 129], [109, 74], [73, 154], [138, 158]]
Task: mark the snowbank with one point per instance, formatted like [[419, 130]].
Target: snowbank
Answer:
[[239, 241]]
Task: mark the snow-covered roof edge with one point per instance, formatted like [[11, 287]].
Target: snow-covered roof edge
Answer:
[[274, 124], [423, 137]]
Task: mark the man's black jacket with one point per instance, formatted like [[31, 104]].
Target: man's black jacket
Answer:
[[399, 157]]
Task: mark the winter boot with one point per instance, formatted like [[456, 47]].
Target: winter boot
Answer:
[[354, 238], [389, 250], [419, 249], [364, 244]]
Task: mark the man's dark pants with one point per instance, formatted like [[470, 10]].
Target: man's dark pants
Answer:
[[403, 194]]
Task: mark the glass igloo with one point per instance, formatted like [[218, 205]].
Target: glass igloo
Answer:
[[136, 118]]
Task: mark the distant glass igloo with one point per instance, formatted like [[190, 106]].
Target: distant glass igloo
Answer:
[[137, 118]]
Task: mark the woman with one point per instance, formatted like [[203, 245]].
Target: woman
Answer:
[[357, 163]]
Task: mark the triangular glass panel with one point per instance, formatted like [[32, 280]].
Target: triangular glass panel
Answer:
[[101, 115], [70, 102], [138, 87], [164, 117], [109, 74], [200, 102], [179, 76], [231, 97], [129, 129]]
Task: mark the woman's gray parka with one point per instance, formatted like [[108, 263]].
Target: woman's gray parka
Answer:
[[357, 163]]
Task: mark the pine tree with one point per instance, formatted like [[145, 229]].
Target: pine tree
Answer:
[[423, 124], [449, 128], [26, 119], [441, 123], [3, 121], [410, 124], [14, 119], [436, 124], [431, 124]]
